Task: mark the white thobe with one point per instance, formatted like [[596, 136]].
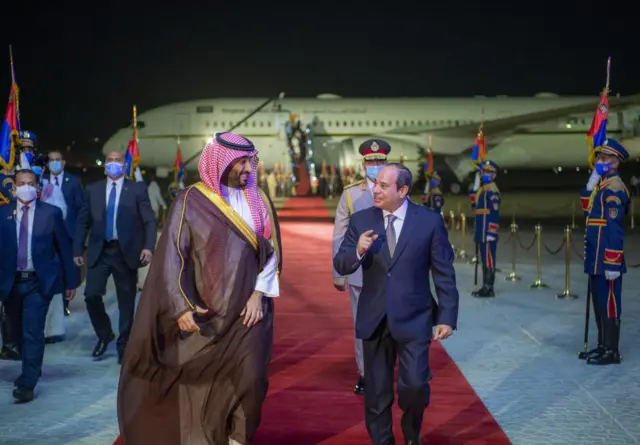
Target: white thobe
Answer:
[[267, 281]]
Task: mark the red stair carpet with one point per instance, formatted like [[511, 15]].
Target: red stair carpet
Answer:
[[312, 373]]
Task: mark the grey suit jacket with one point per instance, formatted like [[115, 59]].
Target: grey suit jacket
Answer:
[[355, 197]]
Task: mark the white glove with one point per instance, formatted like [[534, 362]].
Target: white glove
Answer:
[[476, 183], [491, 238], [611, 275], [593, 180]]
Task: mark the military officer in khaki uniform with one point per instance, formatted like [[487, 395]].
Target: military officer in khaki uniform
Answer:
[[355, 197]]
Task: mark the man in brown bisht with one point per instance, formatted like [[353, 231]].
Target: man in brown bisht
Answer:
[[195, 368]]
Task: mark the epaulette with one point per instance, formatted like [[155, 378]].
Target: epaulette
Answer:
[[493, 187], [353, 184], [615, 184]]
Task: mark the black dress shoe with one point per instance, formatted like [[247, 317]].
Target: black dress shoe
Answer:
[[53, 339], [102, 345], [359, 388], [22, 394], [10, 354], [608, 357], [599, 350]]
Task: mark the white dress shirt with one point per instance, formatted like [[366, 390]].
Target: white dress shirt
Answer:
[[267, 281], [400, 214], [119, 183], [60, 179], [32, 211]]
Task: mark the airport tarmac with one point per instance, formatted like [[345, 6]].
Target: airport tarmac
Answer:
[[518, 351]]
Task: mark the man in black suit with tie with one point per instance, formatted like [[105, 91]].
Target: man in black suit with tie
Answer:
[[398, 243], [36, 263], [71, 190], [117, 215]]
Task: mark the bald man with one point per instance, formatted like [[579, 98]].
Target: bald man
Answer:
[[117, 216]]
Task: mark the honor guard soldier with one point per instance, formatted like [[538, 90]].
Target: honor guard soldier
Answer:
[[434, 199], [486, 204], [7, 186], [355, 197], [605, 202]]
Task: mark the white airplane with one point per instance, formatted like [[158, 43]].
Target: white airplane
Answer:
[[545, 131]]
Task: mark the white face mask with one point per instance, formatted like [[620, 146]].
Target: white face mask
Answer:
[[26, 193]]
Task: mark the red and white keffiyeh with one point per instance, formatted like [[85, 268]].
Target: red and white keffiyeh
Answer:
[[217, 156]]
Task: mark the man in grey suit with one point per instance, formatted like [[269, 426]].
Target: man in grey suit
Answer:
[[355, 197]]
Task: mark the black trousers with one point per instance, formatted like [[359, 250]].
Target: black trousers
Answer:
[[111, 263], [380, 353]]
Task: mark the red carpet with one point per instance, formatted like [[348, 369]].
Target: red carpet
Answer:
[[313, 371]]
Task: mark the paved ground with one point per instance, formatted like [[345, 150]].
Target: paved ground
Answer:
[[517, 350]]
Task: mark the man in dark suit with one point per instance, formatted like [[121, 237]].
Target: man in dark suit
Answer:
[[36, 263], [398, 243], [72, 192], [117, 215]]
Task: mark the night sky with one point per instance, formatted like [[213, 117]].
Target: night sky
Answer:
[[81, 70]]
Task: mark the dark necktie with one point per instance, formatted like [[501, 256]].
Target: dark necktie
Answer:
[[391, 234], [111, 212], [23, 240], [57, 183]]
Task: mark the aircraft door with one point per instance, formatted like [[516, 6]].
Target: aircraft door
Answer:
[[181, 124]]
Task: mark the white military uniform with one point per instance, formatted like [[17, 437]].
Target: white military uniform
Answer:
[[355, 197]]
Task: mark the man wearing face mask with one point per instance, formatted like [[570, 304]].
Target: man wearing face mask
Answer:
[[117, 216], [605, 202], [486, 204], [355, 197], [37, 263], [434, 199]]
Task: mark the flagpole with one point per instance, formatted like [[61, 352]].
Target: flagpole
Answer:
[[135, 123], [606, 88], [13, 82]]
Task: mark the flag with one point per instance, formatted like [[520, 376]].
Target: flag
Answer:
[[9, 134], [479, 152], [428, 165], [598, 131], [132, 158], [178, 169]]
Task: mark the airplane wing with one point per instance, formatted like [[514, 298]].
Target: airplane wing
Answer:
[[509, 124]]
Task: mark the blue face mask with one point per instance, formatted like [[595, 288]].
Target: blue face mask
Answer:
[[603, 169], [487, 178], [433, 183], [114, 169], [55, 167], [372, 171]]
